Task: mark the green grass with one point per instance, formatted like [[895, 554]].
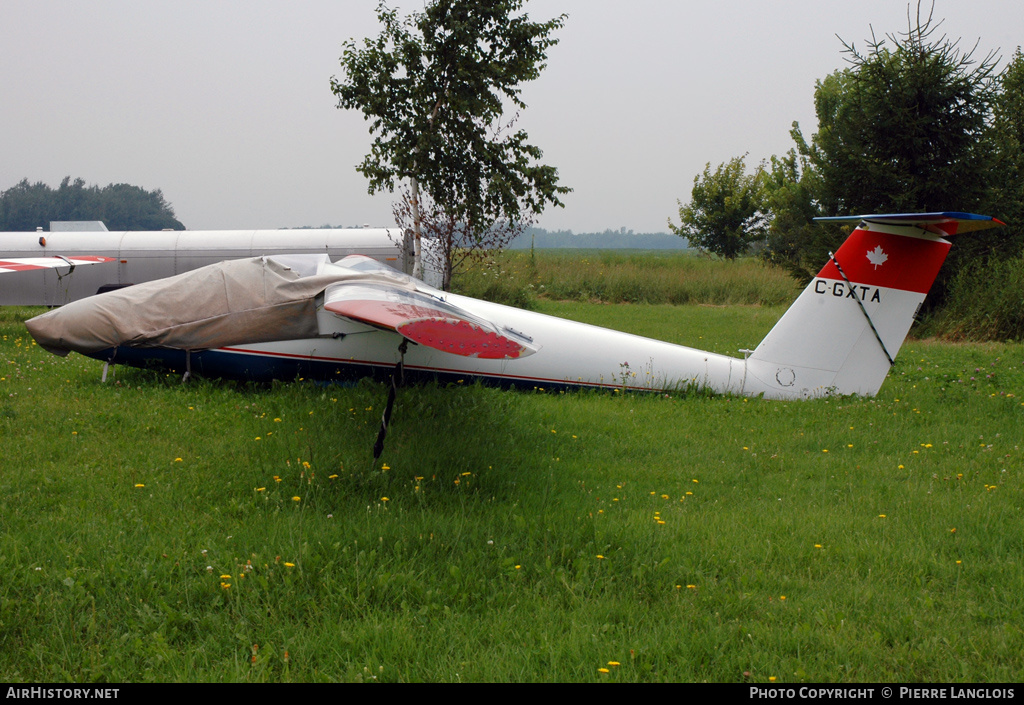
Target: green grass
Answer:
[[653, 277], [513, 536]]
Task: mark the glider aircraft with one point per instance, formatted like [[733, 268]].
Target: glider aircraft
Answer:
[[290, 316]]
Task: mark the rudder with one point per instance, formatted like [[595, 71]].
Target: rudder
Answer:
[[843, 332]]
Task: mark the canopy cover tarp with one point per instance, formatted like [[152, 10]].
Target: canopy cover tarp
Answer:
[[254, 300]]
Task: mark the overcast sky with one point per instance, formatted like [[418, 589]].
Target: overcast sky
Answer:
[[225, 105]]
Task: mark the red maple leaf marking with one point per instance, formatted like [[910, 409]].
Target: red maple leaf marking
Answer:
[[877, 256]]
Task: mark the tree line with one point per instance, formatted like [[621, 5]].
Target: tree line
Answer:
[[27, 206], [539, 238], [913, 124]]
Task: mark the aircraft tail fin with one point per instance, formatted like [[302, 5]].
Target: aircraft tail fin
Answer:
[[843, 332]]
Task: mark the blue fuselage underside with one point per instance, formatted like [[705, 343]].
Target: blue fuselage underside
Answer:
[[215, 364]]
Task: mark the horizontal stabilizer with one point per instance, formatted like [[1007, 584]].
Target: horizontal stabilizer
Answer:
[[947, 223]]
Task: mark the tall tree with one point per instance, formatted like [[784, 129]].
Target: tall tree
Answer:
[[1007, 139], [724, 215], [903, 129], [435, 87]]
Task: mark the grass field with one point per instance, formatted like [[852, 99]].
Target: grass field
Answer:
[[155, 531], [616, 276]]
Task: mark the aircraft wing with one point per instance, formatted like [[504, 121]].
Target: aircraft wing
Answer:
[[427, 320], [21, 264]]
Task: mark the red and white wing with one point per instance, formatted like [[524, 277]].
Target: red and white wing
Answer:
[[21, 264], [426, 320]]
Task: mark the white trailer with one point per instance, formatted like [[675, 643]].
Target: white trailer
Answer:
[[145, 256]]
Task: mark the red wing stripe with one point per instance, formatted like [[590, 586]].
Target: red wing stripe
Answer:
[[383, 314], [50, 262], [19, 266], [461, 338], [432, 327]]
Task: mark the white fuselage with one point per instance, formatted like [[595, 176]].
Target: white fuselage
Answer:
[[569, 354]]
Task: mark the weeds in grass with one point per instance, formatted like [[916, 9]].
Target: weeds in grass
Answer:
[[150, 531]]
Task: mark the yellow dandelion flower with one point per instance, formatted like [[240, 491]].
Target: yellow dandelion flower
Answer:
[[603, 670], [225, 577], [881, 516], [260, 489], [385, 466], [296, 499], [225, 586], [817, 545], [600, 557], [140, 485], [383, 499], [257, 438], [331, 477], [289, 565], [772, 678], [177, 460], [782, 597], [519, 566], [614, 663]]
